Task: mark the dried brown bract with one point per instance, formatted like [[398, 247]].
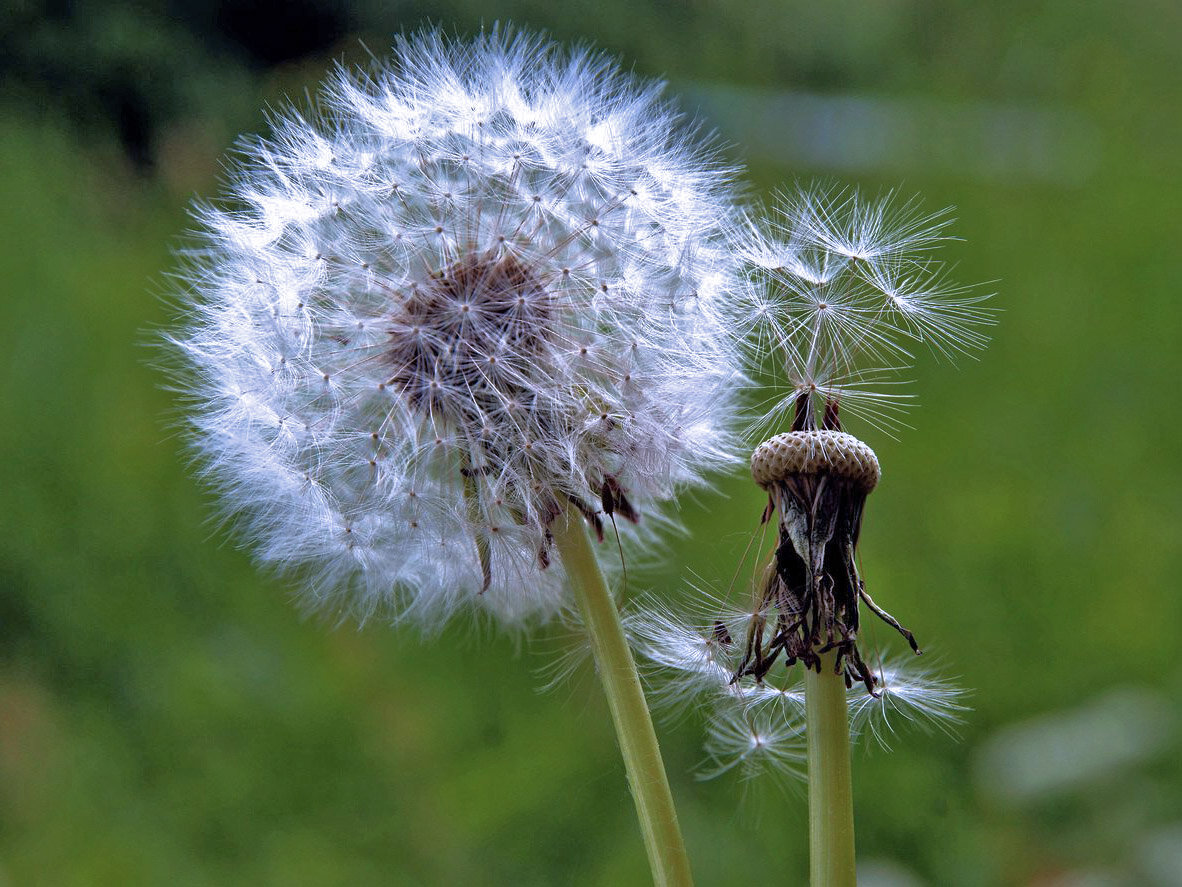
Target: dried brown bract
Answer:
[[817, 481]]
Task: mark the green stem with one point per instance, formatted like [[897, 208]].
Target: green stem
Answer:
[[621, 683], [831, 804]]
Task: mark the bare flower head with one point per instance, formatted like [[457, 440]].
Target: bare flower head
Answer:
[[847, 287], [467, 290], [811, 594], [844, 290]]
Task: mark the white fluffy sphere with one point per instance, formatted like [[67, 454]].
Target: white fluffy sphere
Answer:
[[476, 286]]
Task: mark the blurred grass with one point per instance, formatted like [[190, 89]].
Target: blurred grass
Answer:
[[166, 717]]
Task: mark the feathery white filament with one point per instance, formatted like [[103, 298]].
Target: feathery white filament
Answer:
[[845, 288], [758, 726]]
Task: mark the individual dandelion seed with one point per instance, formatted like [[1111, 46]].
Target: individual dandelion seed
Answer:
[[908, 694], [754, 743], [465, 303], [685, 660], [464, 291]]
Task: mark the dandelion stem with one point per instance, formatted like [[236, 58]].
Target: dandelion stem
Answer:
[[831, 807], [621, 683]]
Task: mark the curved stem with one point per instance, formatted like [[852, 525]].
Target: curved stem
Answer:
[[621, 683], [831, 802]]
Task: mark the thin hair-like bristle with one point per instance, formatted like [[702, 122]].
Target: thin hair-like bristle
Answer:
[[846, 288]]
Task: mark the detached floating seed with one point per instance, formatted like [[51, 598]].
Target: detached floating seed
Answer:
[[818, 480]]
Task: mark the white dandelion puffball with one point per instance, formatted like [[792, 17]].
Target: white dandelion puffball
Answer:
[[481, 284]]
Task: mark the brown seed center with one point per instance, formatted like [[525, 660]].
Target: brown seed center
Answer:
[[465, 342]]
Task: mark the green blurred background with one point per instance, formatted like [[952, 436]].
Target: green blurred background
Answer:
[[166, 717]]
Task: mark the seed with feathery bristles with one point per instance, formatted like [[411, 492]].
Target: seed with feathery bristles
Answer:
[[845, 289]]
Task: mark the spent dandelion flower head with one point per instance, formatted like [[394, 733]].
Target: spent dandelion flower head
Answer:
[[465, 290], [843, 289], [846, 289]]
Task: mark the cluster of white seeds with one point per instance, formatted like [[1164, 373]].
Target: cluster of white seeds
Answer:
[[466, 291], [756, 727], [846, 288]]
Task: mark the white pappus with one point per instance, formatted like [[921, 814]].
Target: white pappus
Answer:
[[481, 283], [692, 654], [845, 288]]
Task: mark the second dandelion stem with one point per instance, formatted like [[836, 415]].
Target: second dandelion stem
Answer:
[[831, 805], [621, 683]]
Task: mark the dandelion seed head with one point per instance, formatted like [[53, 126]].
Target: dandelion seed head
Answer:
[[475, 286]]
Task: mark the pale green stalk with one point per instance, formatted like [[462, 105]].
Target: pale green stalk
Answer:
[[831, 803], [621, 683]]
